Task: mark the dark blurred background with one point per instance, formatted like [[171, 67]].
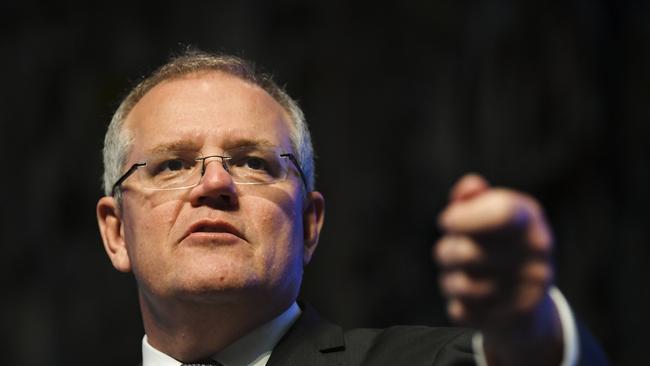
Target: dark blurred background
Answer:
[[547, 97]]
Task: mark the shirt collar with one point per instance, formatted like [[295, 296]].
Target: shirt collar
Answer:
[[253, 349]]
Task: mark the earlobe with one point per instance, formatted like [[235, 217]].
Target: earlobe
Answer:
[[313, 218], [110, 227]]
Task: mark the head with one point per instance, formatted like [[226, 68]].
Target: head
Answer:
[[117, 141], [218, 241]]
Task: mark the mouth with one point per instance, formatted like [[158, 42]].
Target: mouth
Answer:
[[212, 230]]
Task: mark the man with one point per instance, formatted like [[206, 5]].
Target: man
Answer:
[[210, 202]]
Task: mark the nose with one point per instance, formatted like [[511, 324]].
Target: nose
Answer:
[[216, 187]]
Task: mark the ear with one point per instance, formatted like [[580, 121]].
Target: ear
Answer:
[[313, 217], [112, 232]]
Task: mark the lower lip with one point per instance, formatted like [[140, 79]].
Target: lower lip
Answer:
[[218, 238]]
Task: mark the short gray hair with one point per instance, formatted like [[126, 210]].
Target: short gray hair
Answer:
[[118, 140]]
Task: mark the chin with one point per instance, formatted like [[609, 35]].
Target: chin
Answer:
[[216, 287], [222, 289]]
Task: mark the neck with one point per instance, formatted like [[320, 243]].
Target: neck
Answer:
[[190, 330]]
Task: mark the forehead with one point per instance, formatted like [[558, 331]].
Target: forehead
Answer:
[[206, 110]]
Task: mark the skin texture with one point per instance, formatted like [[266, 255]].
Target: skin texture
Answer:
[[264, 236], [496, 270]]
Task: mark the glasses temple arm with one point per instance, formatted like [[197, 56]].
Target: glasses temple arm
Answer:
[[295, 162], [128, 173]]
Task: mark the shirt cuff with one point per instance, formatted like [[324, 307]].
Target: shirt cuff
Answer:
[[569, 333]]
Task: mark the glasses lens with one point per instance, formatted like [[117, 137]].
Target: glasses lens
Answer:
[[255, 165], [246, 165], [171, 170]]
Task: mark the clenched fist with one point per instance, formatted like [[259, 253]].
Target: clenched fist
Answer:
[[495, 265]]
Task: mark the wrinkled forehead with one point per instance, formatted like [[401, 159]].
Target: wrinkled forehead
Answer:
[[205, 112]]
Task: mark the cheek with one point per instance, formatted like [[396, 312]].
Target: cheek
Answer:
[[148, 238], [278, 236], [275, 222]]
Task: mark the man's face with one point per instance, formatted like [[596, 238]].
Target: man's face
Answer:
[[217, 241]]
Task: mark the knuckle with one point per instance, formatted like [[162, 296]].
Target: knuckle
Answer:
[[458, 250], [453, 283], [460, 285], [468, 251], [441, 248]]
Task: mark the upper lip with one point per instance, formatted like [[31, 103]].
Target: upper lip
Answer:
[[217, 226]]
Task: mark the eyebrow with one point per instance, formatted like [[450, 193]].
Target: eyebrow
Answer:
[[241, 142], [192, 145], [179, 145]]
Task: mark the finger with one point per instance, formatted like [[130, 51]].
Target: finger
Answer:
[[494, 209], [456, 310], [458, 250], [468, 186], [470, 313], [460, 285]]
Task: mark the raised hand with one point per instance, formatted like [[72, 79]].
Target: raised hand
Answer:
[[495, 271]]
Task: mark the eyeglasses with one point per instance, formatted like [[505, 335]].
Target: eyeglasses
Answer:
[[182, 169]]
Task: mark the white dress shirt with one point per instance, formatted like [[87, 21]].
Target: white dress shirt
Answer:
[[253, 349]]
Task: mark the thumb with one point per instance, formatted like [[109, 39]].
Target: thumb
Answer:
[[470, 185]]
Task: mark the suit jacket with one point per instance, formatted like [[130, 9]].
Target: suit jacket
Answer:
[[313, 341]]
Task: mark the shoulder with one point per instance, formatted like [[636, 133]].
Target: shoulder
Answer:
[[314, 341], [410, 345]]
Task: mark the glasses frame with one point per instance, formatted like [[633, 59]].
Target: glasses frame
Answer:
[[135, 167]]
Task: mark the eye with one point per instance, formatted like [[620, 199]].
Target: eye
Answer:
[[253, 163], [173, 165]]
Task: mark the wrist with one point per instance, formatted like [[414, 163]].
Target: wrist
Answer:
[[533, 338]]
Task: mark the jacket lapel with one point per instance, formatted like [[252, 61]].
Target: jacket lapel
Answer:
[[310, 341]]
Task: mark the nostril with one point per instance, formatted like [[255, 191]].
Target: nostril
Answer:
[[222, 201], [226, 199]]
